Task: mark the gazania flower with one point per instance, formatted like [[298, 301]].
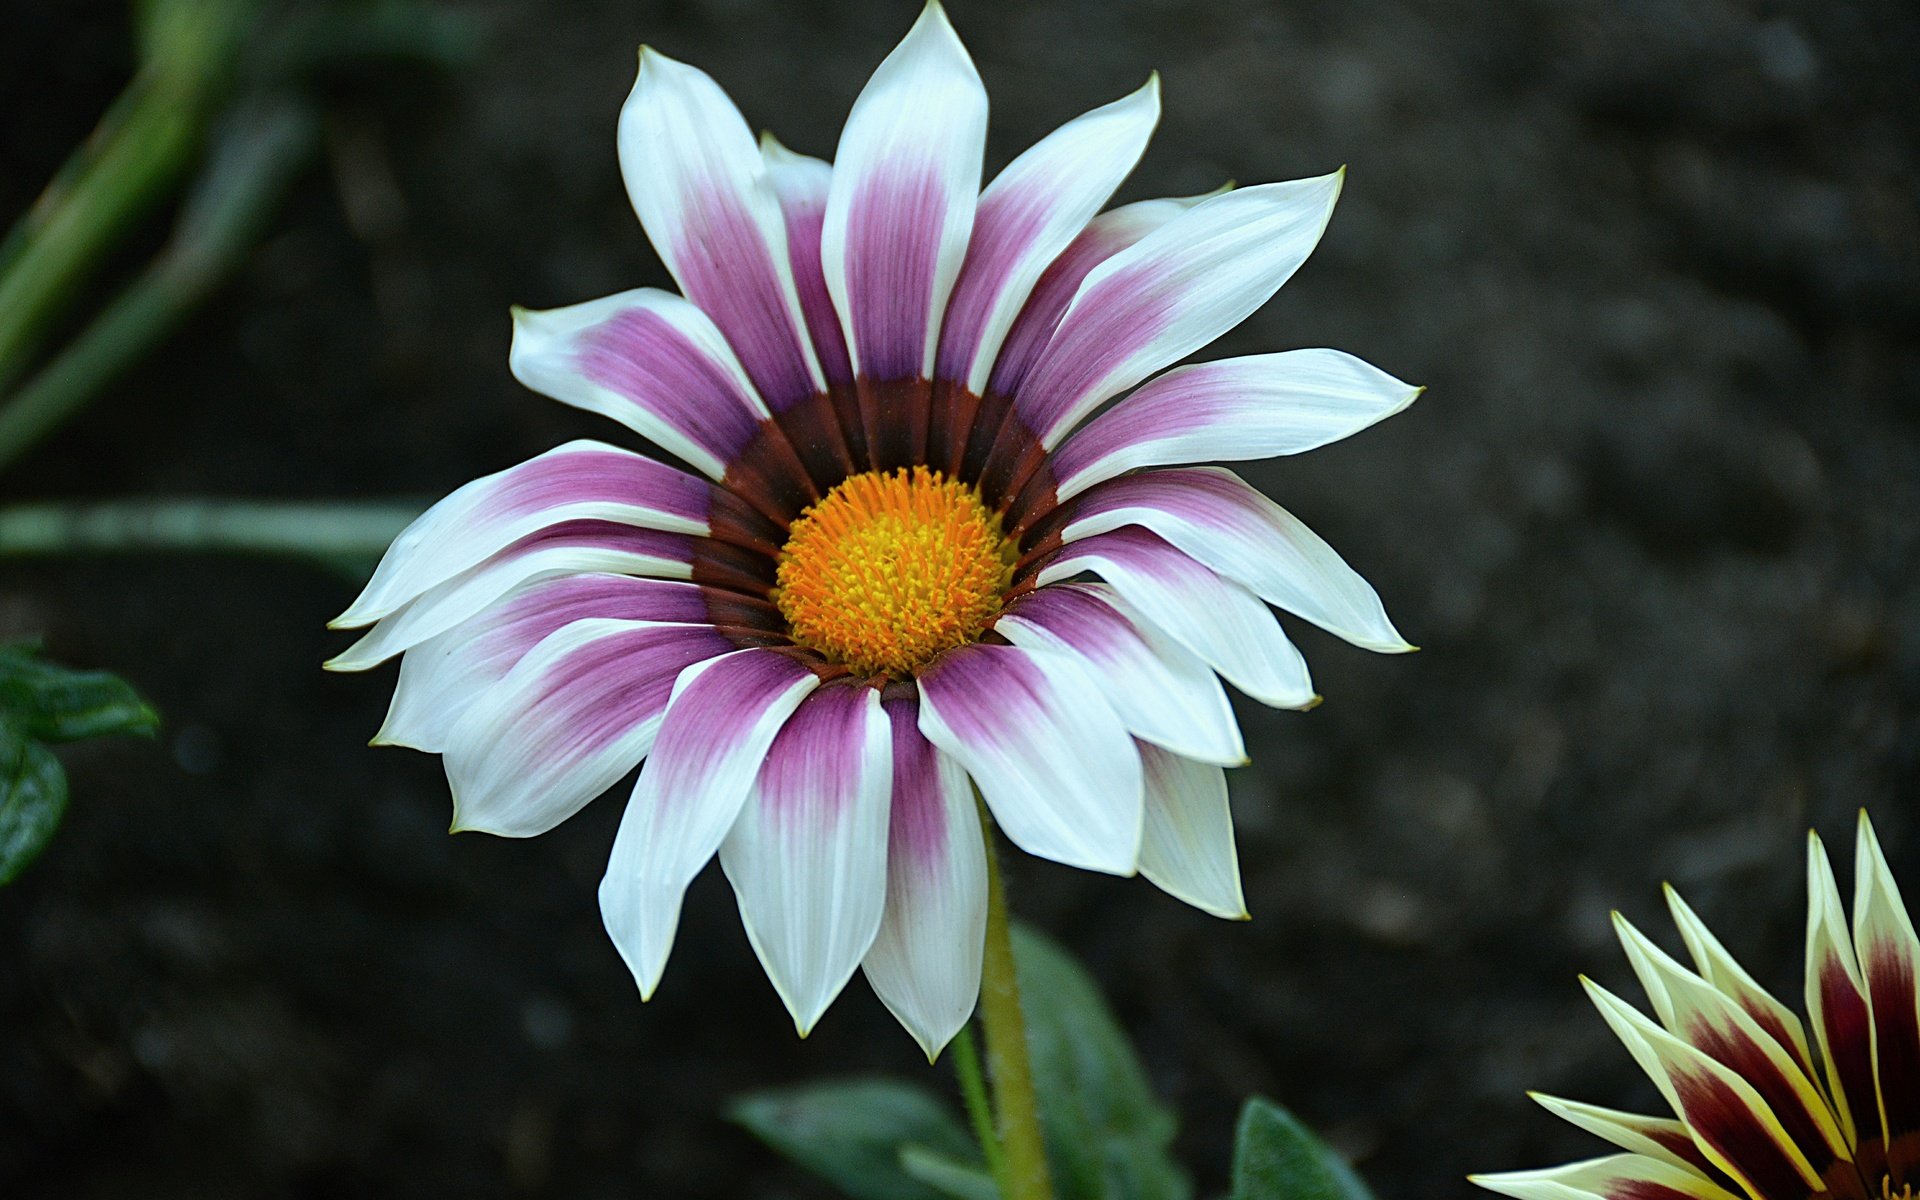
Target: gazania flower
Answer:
[[902, 563], [1765, 1110]]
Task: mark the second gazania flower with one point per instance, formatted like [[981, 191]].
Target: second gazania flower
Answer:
[[875, 593]]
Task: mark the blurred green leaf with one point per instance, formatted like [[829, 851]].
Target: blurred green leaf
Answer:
[[42, 702], [33, 794], [1275, 1157], [1108, 1137], [854, 1133], [51, 703], [949, 1177]]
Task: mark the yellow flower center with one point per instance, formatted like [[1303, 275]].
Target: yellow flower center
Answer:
[[890, 568], [1887, 1192]]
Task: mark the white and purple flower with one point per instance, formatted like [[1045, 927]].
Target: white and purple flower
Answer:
[[872, 593]]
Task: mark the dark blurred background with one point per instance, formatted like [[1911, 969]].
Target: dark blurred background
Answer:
[[1654, 525]]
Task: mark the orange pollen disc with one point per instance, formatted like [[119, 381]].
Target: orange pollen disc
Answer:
[[891, 568]]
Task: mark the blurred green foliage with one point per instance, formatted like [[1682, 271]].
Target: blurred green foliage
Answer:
[[43, 702]]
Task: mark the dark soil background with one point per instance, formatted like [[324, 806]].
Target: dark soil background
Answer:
[[1654, 525]]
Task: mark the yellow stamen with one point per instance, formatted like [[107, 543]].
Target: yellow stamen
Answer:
[[891, 568], [1887, 1192]]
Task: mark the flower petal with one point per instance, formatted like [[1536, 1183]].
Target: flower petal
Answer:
[[808, 854], [1729, 1120], [1718, 967], [565, 724], [1713, 1023], [1161, 690], [720, 720], [1221, 521], [800, 181], [1889, 956], [1215, 618], [649, 360], [925, 961], [1188, 847], [566, 548], [1837, 1002], [701, 190], [1260, 406], [1050, 756], [442, 677], [1620, 1177], [1169, 294], [1030, 213], [1656, 1137], [1105, 236], [900, 206], [582, 480]]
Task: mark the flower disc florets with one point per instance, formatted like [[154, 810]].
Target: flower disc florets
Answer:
[[891, 568]]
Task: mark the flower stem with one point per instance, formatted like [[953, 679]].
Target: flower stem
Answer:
[[254, 157], [973, 1091], [324, 532], [1022, 1147]]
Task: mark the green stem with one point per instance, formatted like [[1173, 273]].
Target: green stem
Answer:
[[973, 1091], [1021, 1142], [133, 161], [327, 532], [136, 156], [257, 154]]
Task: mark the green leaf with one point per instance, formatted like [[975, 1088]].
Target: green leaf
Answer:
[[58, 704], [33, 794], [852, 1133], [1108, 1137], [1275, 1157], [947, 1176]]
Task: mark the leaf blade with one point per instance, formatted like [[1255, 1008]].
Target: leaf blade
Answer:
[[1275, 1157], [33, 796], [1108, 1135], [853, 1133], [54, 703]]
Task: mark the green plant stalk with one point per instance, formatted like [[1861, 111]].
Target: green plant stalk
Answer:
[[136, 158], [256, 156], [973, 1092], [132, 161], [1021, 1141], [309, 531]]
